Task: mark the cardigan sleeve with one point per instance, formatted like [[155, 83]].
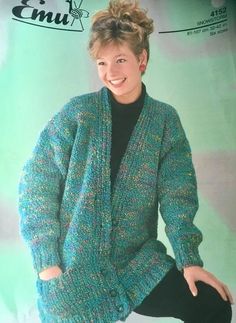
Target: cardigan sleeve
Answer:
[[177, 193], [41, 188]]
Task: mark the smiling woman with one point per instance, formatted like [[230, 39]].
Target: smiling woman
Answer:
[[120, 44], [119, 70]]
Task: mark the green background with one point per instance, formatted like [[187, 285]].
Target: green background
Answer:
[[41, 69]]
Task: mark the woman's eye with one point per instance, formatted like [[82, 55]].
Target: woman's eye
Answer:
[[100, 63], [121, 60]]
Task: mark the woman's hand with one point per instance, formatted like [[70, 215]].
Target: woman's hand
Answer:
[[51, 272], [193, 274]]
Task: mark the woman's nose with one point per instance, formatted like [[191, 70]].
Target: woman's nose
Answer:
[[112, 70]]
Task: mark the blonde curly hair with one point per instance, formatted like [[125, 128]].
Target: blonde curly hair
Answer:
[[122, 21]]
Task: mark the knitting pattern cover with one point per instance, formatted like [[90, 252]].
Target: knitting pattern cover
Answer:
[[191, 67]]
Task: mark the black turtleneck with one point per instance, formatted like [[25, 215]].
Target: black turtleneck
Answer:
[[124, 118]]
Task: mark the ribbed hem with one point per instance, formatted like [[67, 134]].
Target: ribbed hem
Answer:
[[89, 317], [45, 256], [143, 273], [78, 295]]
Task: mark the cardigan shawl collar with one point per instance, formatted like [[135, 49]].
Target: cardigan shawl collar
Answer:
[[128, 171]]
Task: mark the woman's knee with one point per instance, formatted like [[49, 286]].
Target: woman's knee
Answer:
[[224, 314], [216, 309]]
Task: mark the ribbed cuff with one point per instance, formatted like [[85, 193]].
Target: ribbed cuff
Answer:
[[186, 255], [45, 255]]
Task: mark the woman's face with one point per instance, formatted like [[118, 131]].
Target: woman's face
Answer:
[[119, 70]]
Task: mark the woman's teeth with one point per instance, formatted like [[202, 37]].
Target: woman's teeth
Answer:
[[117, 82]]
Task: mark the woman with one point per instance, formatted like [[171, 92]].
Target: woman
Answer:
[[90, 192]]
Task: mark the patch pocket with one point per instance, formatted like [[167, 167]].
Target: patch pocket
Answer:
[[61, 296]]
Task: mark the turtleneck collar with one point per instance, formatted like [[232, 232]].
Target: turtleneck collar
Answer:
[[128, 107]]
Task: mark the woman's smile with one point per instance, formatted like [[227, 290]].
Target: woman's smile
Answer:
[[117, 82]]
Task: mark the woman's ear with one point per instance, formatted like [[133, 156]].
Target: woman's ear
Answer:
[[143, 61], [143, 58]]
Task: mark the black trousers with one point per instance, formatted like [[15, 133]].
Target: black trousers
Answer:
[[172, 298]]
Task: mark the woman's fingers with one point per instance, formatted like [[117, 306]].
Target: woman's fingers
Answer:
[[191, 284], [195, 273], [50, 273], [229, 295], [220, 287]]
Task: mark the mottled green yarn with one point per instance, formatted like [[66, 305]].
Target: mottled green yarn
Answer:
[[105, 240]]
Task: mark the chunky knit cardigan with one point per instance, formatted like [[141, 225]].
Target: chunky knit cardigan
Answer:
[[105, 239]]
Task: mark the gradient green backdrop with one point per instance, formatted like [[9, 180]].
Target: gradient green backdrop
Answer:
[[194, 70]]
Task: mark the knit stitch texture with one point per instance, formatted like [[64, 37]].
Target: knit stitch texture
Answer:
[[105, 239]]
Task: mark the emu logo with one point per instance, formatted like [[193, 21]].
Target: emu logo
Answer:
[[69, 21]]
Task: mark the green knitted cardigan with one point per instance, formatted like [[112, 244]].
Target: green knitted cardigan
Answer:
[[105, 240]]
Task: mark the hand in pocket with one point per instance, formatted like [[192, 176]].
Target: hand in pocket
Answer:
[[50, 273]]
